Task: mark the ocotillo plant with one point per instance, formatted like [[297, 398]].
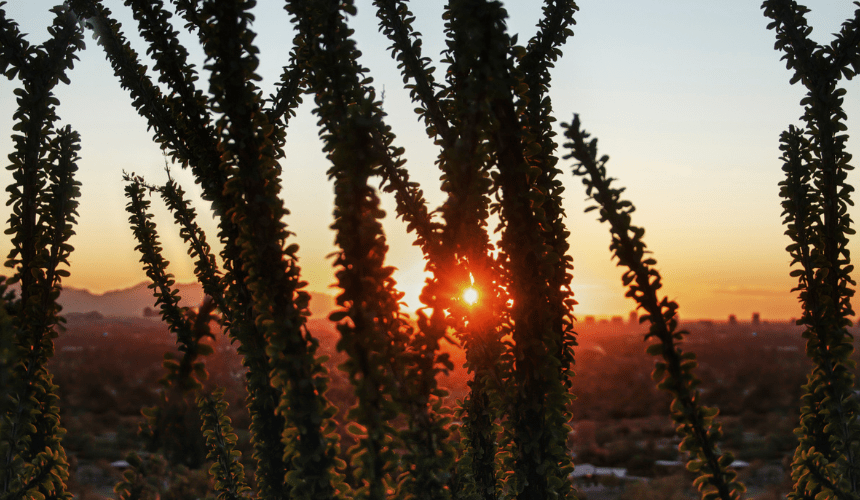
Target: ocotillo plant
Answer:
[[674, 373], [495, 140], [43, 199], [491, 118], [816, 197]]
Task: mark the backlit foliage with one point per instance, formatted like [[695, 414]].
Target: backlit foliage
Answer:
[[491, 118], [43, 198], [674, 372], [816, 198], [815, 202]]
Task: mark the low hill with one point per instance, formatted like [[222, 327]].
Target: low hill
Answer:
[[133, 300]]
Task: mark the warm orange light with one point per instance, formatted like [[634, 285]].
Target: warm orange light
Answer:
[[470, 296]]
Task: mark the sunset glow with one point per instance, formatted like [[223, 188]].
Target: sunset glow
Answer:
[[712, 213], [470, 296]]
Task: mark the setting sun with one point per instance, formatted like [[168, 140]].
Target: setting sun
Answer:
[[470, 296]]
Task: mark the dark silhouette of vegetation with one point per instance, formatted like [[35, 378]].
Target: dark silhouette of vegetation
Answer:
[[816, 199], [43, 198], [491, 118], [675, 372]]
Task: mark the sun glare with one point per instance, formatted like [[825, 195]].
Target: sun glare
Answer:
[[470, 296]]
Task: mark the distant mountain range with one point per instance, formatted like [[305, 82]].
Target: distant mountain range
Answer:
[[134, 300]]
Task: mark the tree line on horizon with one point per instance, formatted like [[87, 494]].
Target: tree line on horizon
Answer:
[[491, 118]]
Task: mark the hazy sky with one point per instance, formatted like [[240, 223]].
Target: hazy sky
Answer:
[[688, 98]]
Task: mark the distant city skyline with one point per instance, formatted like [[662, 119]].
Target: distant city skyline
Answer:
[[134, 300], [688, 99]]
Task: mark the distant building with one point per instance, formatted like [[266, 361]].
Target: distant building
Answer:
[[589, 471], [733, 320], [737, 464], [589, 320], [617, 320], [633, 318], [756, 319]]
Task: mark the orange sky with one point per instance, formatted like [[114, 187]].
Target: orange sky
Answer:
[[689, 105]]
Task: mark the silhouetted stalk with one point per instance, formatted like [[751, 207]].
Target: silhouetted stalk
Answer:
[[817, 198], [463, 133], [43, 209], [359, 146], [146, 97], [696, 424], [284, 102], [205, 266], [375, 333], [227, 466], [542, 51], [271, 266], [396, 23], [174, 71], [193, 143], [189, 372], [801, 211], [541, 462]]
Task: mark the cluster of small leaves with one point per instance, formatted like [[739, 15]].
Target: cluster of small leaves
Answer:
[[396, 23], [815, 468], [145, 94], [284, 102], [226, 460], [475, 121], [391, 369], [816, 198], [270, 264], [539, 146], [43, 210], [411, 205], [205, 265], [463, 249], [541, 54], [139, 480], [480, 50], [695, 423], [183, 125], [162, 428], [393, 365], [173, 69], [8, 348], [189, 327]]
